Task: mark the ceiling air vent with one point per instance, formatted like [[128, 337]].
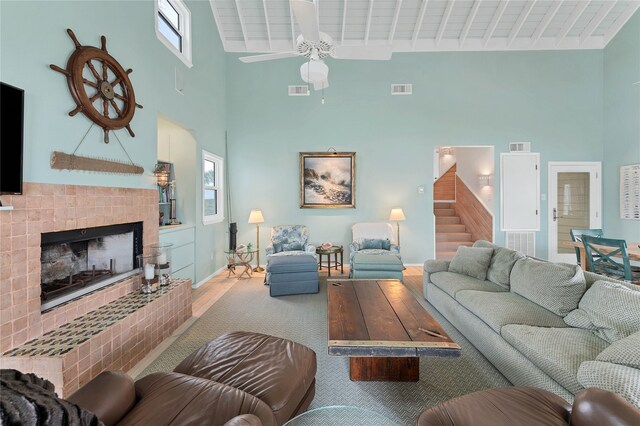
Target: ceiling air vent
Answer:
[[299, 90], [520, 147], [402, 89]]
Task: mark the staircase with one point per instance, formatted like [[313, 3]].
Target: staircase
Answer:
[[450, 232]]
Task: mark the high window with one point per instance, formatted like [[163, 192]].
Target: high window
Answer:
[[212, 188], [173, 28]]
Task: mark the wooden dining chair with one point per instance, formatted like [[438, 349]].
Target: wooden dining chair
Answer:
[[606, 264], [576, 236]]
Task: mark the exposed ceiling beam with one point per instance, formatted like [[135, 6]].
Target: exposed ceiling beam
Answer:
[[344, 21], [266, 21], [366, 31], [494, 22], [522, 18], [596, 21], [394, 23], [216, 17], [293, 27], [548, 17], [443, 22], [242, 26], [470, 18], [571, 21], [622, 19], [416, 28]]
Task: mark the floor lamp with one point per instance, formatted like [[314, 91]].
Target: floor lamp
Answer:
[[397, 215], [256, 217]]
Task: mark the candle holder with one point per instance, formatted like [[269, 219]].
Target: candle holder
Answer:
[[147, 264], [163, 264]]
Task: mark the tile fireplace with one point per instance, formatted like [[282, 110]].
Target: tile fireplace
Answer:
[[80, 261]]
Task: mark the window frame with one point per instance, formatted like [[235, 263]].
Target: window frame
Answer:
[[219, 179], [184, 17]]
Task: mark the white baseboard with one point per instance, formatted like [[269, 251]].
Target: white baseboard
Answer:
[[209, 277], [413, 264]]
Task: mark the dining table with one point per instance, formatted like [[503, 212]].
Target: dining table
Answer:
[[633, 250]]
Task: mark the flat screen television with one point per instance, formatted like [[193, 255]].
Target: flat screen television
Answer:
[[11, 139]]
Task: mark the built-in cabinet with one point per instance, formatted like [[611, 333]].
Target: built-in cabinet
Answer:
[[183, 251]]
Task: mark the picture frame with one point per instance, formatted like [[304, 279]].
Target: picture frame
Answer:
[[327, 180]]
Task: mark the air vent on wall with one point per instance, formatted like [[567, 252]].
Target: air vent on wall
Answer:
[[524, 242], [302, 90], [402, 89], [520, 147]]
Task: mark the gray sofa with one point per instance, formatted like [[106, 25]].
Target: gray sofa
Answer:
[[543, 324]]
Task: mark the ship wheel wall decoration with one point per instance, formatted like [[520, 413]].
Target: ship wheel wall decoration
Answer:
[[104, 93]]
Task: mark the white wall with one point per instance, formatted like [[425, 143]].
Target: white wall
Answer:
[[446, 160], [472, 162]]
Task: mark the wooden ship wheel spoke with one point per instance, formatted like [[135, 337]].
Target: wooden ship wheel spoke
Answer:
[[105, 90]]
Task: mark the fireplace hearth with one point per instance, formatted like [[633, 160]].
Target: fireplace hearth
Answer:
[[80, 261]]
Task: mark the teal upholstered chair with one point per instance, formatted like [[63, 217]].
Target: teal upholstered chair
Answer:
[[607, 263], [576, 236]]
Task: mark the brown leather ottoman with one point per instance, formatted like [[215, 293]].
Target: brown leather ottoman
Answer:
[[277, 371]]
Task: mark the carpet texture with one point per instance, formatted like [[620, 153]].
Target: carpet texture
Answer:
[[303, 318]]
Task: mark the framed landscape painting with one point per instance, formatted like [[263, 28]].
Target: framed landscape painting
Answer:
[[327, 180]]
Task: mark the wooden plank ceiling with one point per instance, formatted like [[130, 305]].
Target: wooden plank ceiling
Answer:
[[428, 25]]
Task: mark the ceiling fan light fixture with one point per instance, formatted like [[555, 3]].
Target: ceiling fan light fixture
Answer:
[[314, 72]]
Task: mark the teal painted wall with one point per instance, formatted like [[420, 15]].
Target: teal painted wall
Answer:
[[32, 36], [621, 123], [552, 99]]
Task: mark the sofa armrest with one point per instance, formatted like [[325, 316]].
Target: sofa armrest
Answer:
[[110, 396], [596, 407], [244, 420], [310, 248], [619, 379], [269, 250], [433, 265], [395, 249]]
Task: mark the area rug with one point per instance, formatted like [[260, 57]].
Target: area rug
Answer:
[[303, 318]]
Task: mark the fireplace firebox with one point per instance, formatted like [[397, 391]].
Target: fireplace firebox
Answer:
[[80, 261]]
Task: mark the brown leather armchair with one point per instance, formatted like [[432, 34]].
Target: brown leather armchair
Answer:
[[524, 406], [169, 398]]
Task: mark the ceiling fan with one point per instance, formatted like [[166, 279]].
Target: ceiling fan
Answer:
[[316, 46]]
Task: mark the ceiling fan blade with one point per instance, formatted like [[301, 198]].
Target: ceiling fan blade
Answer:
[[268, 57], [373, 53], [319, 85], [307, 19]]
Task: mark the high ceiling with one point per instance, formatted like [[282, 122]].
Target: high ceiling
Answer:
[[428, 25]]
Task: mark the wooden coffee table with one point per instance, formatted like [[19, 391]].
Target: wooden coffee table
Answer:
[[380, 325]]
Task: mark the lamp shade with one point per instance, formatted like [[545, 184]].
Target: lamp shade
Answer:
[[397, 215], [256, 216]]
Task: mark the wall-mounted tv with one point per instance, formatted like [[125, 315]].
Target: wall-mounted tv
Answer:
[[11, 138]]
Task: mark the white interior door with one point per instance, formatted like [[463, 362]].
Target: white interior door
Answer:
[[574, 203]]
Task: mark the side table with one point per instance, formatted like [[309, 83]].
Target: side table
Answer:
[[335, 250], [236, 259]]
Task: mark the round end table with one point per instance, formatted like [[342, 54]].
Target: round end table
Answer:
[[334, 250]]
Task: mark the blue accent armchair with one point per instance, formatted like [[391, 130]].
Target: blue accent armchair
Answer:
[[375, 230], [290, 240]]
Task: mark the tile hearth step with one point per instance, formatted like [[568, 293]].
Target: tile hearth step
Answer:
[[114, 336]]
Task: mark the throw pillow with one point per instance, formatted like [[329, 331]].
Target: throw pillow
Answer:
[[610, 310], [471, 261], [372, 244], [30, 400], [292, 247], [553, 286], [624, 352], [501, 264], [277, 247]]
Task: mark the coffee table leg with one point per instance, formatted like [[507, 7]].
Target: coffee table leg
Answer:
[[384, 369]]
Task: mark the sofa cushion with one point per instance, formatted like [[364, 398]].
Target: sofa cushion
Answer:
[[452, 283], [375, 244], [556, 351], [500, 309], [471, 261], [610, 310], [294, 246], [553, 286], [620, 379], [277, 371], [624, 351], [288, 264], [373, 262], [501, 264]]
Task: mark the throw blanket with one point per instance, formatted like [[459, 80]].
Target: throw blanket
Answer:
[[26, 399]]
